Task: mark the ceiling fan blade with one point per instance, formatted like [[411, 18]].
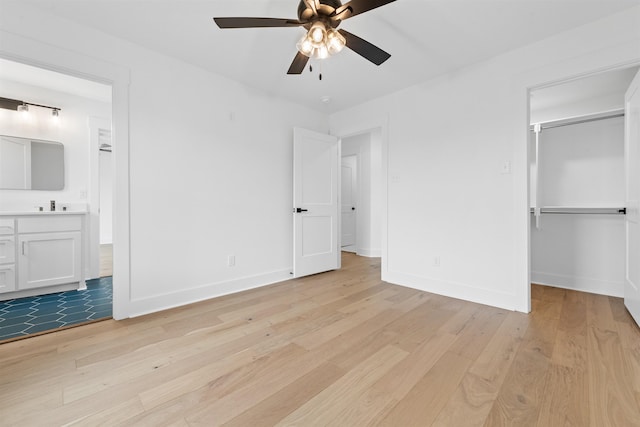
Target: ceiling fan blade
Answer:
[[357, 7], [311, 4], [256, 22], [365, 49], [298, 64]]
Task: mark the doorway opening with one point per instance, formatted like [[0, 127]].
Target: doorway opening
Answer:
[[577, 183], [79, 100], [102, 144], [361, 184], [348, 202]]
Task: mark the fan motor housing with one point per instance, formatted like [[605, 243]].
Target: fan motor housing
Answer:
[[325, 7]]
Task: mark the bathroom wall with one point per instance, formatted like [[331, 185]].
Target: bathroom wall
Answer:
[[71, 129]]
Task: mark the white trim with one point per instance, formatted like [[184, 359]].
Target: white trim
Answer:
[[454, 290], [370, 253], [576, 283], [38, 54], [208, 291]]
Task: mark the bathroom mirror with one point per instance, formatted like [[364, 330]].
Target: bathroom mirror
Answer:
[[31, 164]]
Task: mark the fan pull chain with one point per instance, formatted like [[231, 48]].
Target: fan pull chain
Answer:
[[320, 74]]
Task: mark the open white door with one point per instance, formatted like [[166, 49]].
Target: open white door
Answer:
[[316, 158], [632, 219]]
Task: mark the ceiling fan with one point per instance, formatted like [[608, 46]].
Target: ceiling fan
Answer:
[[320, 18]]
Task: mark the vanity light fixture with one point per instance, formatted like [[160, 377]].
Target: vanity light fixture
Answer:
[[23, 107]]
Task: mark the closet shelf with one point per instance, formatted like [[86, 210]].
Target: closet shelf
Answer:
[[582, 210]]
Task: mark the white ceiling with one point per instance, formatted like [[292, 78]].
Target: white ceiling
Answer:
[[426, 38], [34, 76]]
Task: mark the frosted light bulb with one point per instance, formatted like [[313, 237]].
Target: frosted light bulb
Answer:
[[335, 42], [305, 46], [322, 52], [317, 32]]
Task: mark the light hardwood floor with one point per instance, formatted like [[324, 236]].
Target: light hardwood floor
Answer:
[[106, 260], [340, 348]]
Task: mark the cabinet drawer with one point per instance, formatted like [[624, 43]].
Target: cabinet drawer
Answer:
[[7, 226], [49, 224], [7, 249], [7, 278]]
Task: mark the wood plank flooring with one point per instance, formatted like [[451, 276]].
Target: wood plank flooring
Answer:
[[341, 349], [106, 260]]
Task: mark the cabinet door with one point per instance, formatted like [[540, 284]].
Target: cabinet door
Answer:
[[47, 259], [7, 249], [7, 278]]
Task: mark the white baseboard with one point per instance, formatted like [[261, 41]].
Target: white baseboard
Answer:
[[371, 253], [583, 284], [212, 290], [454, 290]]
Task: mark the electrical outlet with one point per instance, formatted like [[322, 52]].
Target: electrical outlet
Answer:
[[231, 261], [436, 261], [506, 168]]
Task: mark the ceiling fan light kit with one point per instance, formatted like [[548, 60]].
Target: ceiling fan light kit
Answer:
[[320, 18]]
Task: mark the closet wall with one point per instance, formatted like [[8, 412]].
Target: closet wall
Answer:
[[581, 166], [577, 173]]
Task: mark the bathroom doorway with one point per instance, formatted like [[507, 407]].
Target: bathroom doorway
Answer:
[[79, 101]]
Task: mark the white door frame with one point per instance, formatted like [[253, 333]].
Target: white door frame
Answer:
[[47, 56]]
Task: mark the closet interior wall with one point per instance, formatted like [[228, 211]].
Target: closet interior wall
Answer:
[[579, 173]]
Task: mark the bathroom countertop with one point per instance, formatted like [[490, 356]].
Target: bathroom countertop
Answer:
[[22, 213]]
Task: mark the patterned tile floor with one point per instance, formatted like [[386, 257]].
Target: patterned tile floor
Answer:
[[24, 316]]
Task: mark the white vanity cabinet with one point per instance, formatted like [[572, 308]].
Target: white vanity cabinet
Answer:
[[49, 251], [7, 255], [43, 253]]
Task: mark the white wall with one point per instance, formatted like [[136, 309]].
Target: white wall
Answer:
[[581, 165], [447, 142], [367, 147], [600, 104], [210, 169], [106, 198], [71, 130]]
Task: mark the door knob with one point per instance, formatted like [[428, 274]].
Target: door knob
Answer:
[[299, 210], [352, 208]]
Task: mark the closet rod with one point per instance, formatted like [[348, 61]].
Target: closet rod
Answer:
[[583, 211], [558, 124]]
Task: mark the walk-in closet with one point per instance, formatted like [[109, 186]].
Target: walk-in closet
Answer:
[[577, 183]]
